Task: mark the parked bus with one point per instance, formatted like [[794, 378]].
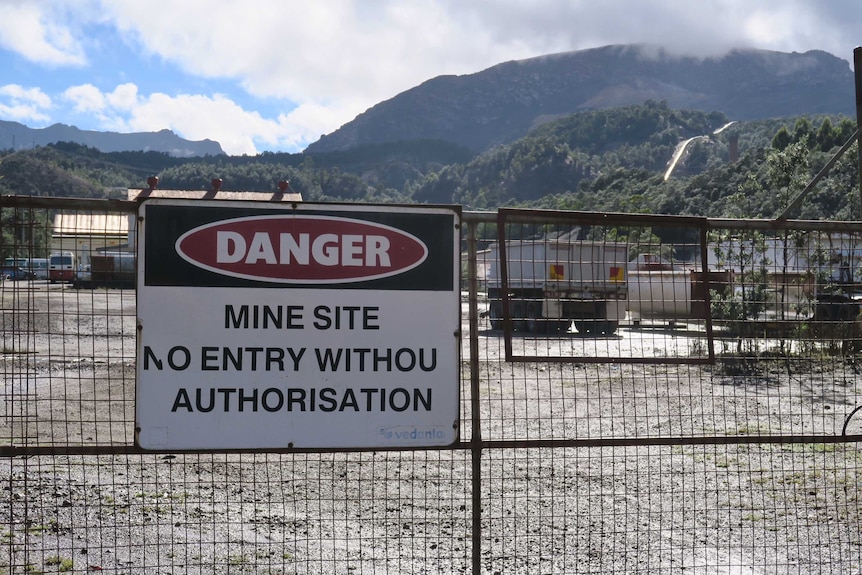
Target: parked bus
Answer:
[[38, 267], [61, 267]]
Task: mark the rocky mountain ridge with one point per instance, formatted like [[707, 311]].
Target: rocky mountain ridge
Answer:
[[15, 136], [504, 102]]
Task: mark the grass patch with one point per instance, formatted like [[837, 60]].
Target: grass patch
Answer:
[[63, 564]]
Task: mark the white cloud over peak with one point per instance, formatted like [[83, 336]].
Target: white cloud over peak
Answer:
[[199, 117], [276, 74], [301, 51], [351, 54], [195, 117], [218, 118]]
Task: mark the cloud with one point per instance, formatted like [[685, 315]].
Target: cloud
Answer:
[[347, 55], [124, 97], [39, 35], [310, 50], [89, 99], [86, 98], [24, 104], [314, 66], [195, 117], [218, 118], [371, 51], [325, 62], [199, 117]]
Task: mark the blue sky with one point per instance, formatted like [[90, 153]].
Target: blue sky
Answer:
[[273, 75]]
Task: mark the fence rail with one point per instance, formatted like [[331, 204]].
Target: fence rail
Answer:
[[712, 426]]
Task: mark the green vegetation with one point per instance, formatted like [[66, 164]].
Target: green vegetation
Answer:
[[63, 564], [236, 560], [604, 160], [24, 233]]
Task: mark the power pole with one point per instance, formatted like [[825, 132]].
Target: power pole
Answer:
[[857, 68]]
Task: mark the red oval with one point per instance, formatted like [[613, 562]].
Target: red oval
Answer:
[[301, 249]]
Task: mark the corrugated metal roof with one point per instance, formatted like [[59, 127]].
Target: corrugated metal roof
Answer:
[[84, 223]]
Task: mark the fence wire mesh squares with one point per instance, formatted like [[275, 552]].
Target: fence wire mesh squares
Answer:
[[584, 277], [716, 430]]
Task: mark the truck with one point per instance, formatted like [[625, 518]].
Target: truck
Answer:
[[552, 283], [61, 267], [108, 269], [662, 290]]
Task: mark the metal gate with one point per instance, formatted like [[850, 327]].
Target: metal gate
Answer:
[[710, 428]]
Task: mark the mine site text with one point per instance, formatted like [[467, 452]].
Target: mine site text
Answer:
[[323, 317]]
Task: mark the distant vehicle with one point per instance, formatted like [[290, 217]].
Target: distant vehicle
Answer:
[[39, 266], [15, 273], [108, 269], [20, 262], [552, 283], [663, 290], [61, 267]]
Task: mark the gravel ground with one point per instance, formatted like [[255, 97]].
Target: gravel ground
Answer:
[[765, 507]]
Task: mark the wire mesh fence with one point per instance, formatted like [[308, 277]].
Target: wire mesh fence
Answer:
[[638, 394]]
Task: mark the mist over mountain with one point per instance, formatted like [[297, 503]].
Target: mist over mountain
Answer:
[[504, 102], [15, 136]]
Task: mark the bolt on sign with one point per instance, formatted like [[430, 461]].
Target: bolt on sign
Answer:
[[273, 326]]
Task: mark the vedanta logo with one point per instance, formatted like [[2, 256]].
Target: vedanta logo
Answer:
[[301, 249]]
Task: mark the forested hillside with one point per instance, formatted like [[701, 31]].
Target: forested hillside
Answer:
[[615, 160], [606, 160]]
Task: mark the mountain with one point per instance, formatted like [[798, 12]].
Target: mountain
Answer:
[[15, 136], [504, 102], [613, 159]]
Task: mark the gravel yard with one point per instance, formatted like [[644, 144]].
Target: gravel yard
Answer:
[[643, 491]]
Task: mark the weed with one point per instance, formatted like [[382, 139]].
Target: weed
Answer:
[[63, 565]]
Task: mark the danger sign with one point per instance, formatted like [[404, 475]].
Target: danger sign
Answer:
[[303, 326]]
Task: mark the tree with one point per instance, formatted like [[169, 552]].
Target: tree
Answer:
[[782, 139], [802, 130], [826, 137], [787, 174]]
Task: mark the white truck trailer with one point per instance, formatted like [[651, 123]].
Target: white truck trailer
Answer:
[[552, 283]]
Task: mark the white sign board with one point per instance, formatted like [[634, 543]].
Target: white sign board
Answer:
[[271, 326]]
